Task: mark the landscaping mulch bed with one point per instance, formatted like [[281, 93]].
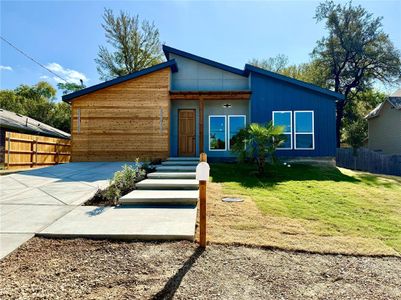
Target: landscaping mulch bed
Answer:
[[88, 269]]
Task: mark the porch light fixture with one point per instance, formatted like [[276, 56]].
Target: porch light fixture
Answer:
[[227, 105]]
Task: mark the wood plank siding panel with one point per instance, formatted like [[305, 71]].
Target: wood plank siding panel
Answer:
[[123, 121]]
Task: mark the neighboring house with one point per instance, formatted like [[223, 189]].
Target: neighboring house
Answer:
[[384, 123], [190, 104], [13, 122]]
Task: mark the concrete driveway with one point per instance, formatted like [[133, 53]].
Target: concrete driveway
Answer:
[[30, 201]]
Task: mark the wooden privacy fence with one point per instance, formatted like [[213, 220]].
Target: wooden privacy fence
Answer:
[[25, 150], [370, 161]]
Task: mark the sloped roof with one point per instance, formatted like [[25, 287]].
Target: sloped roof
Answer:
[[249, 68], [375, 112], [397, 93], [394, 100], [172, 64], [167, 50], [16, 122], [307, 85], [168, 64]]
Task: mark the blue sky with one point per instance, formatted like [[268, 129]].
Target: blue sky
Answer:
[[65, 35]]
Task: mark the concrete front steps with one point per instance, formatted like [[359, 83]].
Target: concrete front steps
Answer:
[[172, 175], [183, 158], [172, 197], [180, 163], [167, 184], [173, 183], [175, 168]]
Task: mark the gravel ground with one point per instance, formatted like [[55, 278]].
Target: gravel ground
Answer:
[[87, 269]]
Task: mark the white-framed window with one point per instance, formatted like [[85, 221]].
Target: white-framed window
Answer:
[[284, 118], [217, 133], [235, 124], [304, 130]]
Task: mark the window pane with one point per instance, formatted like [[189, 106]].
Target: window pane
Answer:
[[283, 119], [217, 133], [304, 141], [303, 121], [287, 142], [236, 124]]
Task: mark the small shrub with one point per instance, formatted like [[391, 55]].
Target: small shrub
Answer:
[[123, 182]]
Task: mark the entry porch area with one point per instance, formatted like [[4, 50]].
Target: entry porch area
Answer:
[[205, 121]]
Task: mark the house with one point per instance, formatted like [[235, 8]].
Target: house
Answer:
[[190, 104], [384, 126], [13, 122]]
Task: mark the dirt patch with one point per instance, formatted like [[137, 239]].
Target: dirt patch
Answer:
[[243, 223], [85, 269]]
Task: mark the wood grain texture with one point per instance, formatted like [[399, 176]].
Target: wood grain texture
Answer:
[[210, 95], [125, 121], [27, 150], [186, 132]]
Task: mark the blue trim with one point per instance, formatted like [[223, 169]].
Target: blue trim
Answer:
[[167, 50], [170, 63], [250, 68]]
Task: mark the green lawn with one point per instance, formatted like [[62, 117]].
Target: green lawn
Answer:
[[333, 201]]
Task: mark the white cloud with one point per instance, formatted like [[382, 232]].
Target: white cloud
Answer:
[[6, 68], [44, 77], [71, 76]]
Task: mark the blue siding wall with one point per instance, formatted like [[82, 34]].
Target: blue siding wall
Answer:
[[195, 76], [270, 94]]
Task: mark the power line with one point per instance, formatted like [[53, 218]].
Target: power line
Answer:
[[31, 58]]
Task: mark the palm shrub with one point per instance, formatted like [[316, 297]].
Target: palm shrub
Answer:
[[257, 141]]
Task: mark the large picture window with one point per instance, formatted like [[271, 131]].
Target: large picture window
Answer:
[[284, 118], [304, 133], [217, 133], [235, 124]]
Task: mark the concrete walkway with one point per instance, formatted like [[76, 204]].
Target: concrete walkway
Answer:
[[123, 223], [47, 202], [161, 208], [32, 200]]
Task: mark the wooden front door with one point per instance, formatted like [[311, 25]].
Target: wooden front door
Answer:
[[186, 132]]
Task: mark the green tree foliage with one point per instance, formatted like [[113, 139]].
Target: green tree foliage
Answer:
[[37, 102], [311, 72], [70, 87], [356, 52], [362, 103], [258, 141], [356, 135], [275, 64], [355, 127], [135, 45], [61, 116]]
